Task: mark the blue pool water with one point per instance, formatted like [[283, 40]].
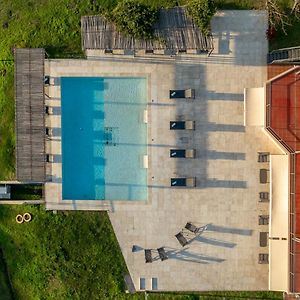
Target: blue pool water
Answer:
[[104, 138]]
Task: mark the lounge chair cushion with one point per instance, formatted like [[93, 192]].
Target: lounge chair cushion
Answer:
[[177, 153], [175, 94]]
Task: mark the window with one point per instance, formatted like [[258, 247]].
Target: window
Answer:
[[154, 284], [142, 283], [263, 220]]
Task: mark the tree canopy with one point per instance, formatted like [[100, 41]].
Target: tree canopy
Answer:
[[134, 18], [202, 11]]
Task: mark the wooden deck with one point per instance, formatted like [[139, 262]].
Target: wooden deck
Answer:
[[175, 30], [30, 128]]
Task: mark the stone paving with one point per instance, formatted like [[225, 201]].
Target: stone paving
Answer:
[[225, 257]]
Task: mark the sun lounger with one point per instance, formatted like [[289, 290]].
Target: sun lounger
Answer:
[[194, 229], [177, 125], [181, 239], [185, 153], [50, 158], [179, 94], [182, 125], [47, 80], [49, 132], [181, 182], [178, 181], [191, 227], [144, 51], [48, 110], [162, 253], [148, 256], [177, 153]]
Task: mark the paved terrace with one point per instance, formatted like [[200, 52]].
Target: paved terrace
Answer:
[[225, 257]]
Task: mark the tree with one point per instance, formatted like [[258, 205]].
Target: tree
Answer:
[[201, 12], [277, 15], [296, 7], [135, 18]]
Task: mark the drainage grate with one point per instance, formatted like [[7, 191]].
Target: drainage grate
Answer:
[[111, 136]]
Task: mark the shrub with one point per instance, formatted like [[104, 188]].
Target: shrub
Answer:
[[202, 11], [135, 18]]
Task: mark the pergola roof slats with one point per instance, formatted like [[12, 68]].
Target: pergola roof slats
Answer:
[[174, 27], [30, 125]]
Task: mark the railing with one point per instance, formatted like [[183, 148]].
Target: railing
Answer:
[[284, 55]]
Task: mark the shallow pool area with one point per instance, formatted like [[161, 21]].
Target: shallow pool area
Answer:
[[104, 138]]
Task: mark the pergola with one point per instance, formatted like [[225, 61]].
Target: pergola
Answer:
[[30, 125]]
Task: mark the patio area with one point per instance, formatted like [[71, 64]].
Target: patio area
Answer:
[[226, 167]]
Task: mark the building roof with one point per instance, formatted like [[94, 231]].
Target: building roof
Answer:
[[30, 125], [282, 121], [175, 30]]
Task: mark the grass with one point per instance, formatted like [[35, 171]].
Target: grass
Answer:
[[64, 256], [5, 287]]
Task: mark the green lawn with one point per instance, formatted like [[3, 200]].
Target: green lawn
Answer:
[[5, 288], [64, 256]]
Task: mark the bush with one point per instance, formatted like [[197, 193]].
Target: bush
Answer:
[[202, 11], [135, 18]]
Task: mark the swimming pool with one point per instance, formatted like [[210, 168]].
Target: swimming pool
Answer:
[[104, 138]]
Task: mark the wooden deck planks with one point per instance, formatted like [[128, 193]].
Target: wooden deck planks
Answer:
[[30, 128], [175, 30]]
